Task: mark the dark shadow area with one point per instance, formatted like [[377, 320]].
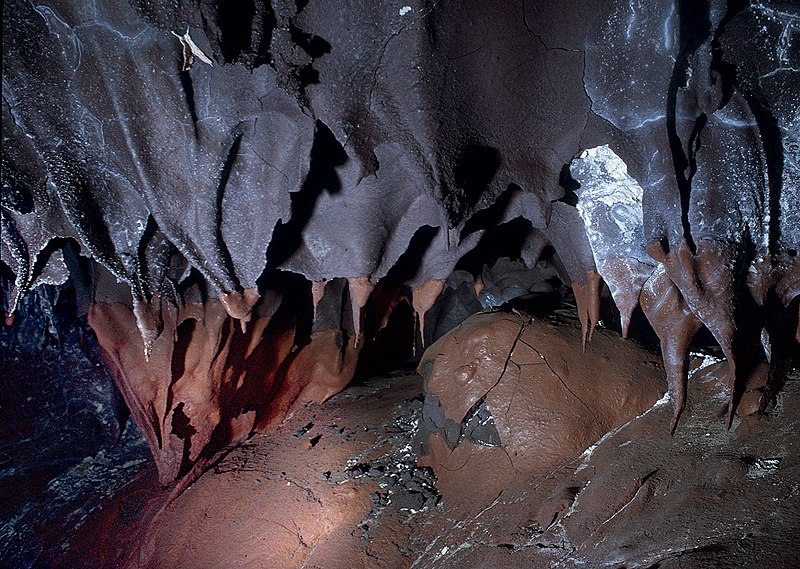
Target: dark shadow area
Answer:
[[15, 195], [194, 287], [731, 79], [77, 197], [391, 350], [235, 18], [183, 337], [266, 20], [409, 262], [188, 93], [785, 352], [152, 255], [474, 171], [570, 185], [183, 429], [539, 304], [491, 216], [504, 240], [314, 46], [694, 28], [224, 177], [326, 155], [80, 276], [63, 422], [772, 143]]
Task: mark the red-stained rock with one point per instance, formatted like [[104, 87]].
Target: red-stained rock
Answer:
[[323, 367], [676, 326], [625, 278], [239, 305], [339, 498], [203, 384], [548, 401], [587, 298], [423, 298], [360, 289]]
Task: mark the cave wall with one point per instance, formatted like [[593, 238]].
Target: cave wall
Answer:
[[260, 186]]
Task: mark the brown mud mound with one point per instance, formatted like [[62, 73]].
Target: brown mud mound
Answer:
[[636, 497], [343, 485], [520, 394]]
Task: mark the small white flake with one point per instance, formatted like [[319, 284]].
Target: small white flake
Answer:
[[405, 10], [190, 51]]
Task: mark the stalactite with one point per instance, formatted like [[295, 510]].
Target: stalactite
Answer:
[[676, 326], [330, 153], [587, 298], [422, 300], [360, 290], [317, 292]]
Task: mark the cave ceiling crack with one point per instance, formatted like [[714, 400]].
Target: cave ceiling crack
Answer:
[[463, 55], [541, 39], [380, 63], [252, 148], [374, 82], [547, 48]]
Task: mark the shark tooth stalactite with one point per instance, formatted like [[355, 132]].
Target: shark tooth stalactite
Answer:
[[610, 204], [587, 299], [625, 279], [676, 326], [200, 383], [143, 382], [317, 292], [422, 300], [239, 305], [360, 289], [707, 281], [149, 322], [17, 250], [780, 307]]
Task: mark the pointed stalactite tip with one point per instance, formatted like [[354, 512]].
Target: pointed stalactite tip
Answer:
[[149, 322], [317, 294], [239, 305], [360, 290], [422, 300]]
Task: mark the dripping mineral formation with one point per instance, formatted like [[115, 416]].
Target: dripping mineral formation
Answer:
[[255, 202]]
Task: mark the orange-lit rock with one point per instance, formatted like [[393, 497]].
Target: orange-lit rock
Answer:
[[546, 399]]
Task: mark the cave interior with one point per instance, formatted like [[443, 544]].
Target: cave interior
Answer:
[[402, 283]]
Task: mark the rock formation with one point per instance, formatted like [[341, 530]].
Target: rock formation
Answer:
[[219, 161]]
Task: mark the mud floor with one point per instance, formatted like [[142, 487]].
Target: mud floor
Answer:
[[341, 485]]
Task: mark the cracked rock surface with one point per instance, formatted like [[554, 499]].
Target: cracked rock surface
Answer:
[[545, 399], [706, 497]]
